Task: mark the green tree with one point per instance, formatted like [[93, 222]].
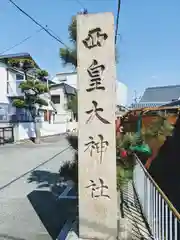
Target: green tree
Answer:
[[72, 105], [42, 75], [159, 128], [69, 55], [32, 101], [33, 89], [23, 64]]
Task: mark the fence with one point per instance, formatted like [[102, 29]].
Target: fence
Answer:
[[6, 135], [162, 217]]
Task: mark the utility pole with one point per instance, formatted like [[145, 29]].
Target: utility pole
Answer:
[[136, 98]]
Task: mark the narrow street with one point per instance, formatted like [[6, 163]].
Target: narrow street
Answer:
[[26, 173]]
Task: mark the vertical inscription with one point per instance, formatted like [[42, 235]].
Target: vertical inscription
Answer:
[[96, 110]]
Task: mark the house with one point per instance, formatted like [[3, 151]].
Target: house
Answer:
[[11, 77], [61, 93], [71, 80], [158, 96]]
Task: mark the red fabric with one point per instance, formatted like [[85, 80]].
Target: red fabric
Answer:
[[123, 154], [150, 159]]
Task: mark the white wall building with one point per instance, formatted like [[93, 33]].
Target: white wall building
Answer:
[[122, 93], [71, 79], [9, 89], [61, 93]]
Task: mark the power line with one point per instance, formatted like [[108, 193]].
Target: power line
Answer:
[[80, 3], [19, 43], [38, 24], [117, 20], [46, 28]]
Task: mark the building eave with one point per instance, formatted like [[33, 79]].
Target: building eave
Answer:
[[51, 87], [18, 56], [66, 73]]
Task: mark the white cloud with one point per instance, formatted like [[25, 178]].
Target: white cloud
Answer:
[[154, 77]]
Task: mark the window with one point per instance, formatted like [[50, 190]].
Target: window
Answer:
[[55, 99], [19, 77], [47, 116]]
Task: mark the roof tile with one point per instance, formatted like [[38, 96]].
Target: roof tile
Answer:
[[161, 94]]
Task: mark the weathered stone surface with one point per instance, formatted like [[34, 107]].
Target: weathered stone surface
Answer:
[[125, 229], [96, 114]]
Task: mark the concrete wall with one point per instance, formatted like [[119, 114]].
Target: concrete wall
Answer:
[[26, 130], [4, 101], [72, 126], [63, 114], [63, 117], [3, 88], [62, 106]]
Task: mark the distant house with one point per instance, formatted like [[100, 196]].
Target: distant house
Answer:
[[61, 93], [10, 78], [70, 78], [158, 96]]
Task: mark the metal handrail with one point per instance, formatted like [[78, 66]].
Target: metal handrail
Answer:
[[161, 215], [170, 205]]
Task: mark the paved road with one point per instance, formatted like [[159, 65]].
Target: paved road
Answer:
[[23, 168]]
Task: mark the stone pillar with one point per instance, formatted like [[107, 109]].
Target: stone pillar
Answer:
[[96, 114], [16, 132]]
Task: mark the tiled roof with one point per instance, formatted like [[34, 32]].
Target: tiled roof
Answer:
[[144, 105], [162, 95], [67, 88], [17, 55], [172, 104]]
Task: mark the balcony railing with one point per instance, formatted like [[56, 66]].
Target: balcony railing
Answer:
[[162, 217]]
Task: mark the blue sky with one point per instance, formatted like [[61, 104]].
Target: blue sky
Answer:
[[149, 45]]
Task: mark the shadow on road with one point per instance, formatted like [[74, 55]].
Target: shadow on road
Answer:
[[53, 213], [44, 178], [52, 210]]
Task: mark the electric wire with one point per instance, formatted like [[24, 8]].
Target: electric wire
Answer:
[[37, 23], [19, 43], [117, 20]]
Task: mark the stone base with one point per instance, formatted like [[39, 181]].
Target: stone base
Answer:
[[125, 229]]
